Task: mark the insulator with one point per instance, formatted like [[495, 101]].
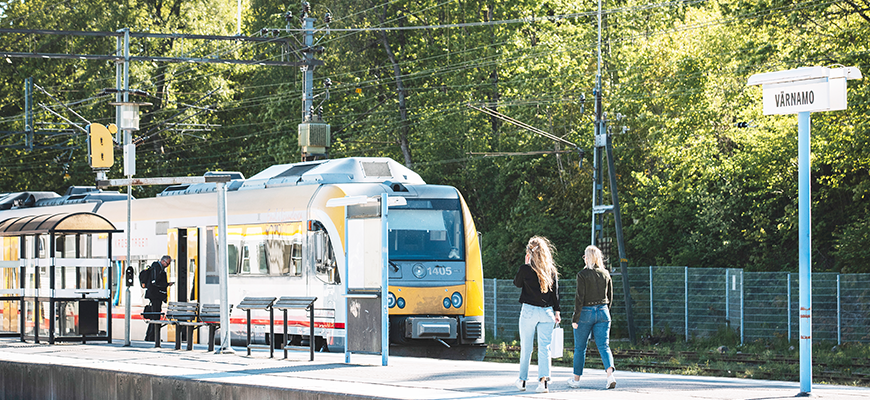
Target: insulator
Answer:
[[327, 83], [288, 16], [306, 7], [327, 18]]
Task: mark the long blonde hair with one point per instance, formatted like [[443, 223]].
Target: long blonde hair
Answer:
[[594, 258], [541, 253]]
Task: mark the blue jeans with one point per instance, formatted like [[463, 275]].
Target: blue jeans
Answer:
[[594, 320], [542, 320]]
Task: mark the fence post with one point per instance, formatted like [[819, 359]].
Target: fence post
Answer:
[[494, 308], [742, 306], [651, 300], [686, 302], [727, 301], [788, 302], [839, 327]]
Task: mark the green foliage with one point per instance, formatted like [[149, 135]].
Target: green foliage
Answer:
[[695, 189]]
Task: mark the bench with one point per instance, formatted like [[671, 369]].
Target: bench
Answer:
[[208, 315], [307, 303], [260, 303], [175, 312]]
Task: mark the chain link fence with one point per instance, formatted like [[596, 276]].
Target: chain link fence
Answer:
[[699, 302]]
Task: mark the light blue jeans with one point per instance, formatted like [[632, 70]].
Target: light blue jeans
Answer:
[[594, 320], [542, 320]]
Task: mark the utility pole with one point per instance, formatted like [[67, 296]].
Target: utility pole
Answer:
[[314, 133], [604, 144]]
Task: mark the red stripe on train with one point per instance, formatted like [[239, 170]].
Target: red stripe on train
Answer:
[[256, 321]]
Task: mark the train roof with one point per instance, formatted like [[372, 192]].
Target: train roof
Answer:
[[381, 170], [334, 171]]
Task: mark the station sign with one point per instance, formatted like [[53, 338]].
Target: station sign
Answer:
[[807, 89]]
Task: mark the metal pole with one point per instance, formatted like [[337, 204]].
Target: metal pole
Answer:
[[804, 257], [346, 288], [125, 69], [126, 314], [28, 113], [727, 301], [385, 282], [788, 300], [494, 308], [651, 325], [223, 270], [742, 304], [686, 300], [239, 18], [620, 241], [308, 68], [839, 311]]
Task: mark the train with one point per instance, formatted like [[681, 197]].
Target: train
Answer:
[[283, 240]]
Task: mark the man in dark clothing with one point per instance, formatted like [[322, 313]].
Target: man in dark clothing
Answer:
[[156, 292]]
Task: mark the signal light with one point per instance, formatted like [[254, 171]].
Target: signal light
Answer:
[[101, 147]]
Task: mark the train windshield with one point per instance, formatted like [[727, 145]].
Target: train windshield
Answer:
[[427, 229]]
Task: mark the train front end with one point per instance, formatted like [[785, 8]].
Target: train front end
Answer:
[[435, 295]]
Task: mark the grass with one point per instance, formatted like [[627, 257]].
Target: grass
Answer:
[[719, 355]]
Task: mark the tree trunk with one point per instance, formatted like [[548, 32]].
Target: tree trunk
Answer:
[[400, 91]]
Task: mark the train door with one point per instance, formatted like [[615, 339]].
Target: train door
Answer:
[[208, 280], [184, 271]]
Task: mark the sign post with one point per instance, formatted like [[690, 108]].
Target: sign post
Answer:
[[801, 91]]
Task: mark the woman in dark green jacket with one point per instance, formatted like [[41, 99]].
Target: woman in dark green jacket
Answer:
[[592, 315]]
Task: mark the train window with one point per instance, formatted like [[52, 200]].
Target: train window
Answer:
[[246, 260], [296, 258], [233, 256], [325, 265], [427, 230], [263, 260]]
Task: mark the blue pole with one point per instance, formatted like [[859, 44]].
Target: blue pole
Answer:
[[385, 282], [806, 338], [346, 288]]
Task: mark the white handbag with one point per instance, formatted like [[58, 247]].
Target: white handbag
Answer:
[[557, 344]]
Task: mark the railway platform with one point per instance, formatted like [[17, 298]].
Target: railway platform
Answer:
[[112, 371]]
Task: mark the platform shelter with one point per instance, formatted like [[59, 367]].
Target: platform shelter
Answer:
[[56, 277]]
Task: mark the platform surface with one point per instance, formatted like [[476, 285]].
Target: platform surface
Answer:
[[404, 378]]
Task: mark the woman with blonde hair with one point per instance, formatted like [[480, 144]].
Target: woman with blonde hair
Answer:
[[539, 280], [592, 315]]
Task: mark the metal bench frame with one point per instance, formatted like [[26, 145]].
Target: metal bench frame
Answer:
[[210, 315], [260, 303], [176, 312], [307, 303]]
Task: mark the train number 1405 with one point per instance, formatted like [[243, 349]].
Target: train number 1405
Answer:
[[440, 270]]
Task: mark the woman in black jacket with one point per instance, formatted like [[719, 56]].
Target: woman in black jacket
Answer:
[[539, 280]]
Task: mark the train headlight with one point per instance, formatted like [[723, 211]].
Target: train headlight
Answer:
[[391, 300], [446, 302], [456, 298], [400, 302], [419, 271]]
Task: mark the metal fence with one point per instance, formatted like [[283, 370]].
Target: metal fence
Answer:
[[699, 302]]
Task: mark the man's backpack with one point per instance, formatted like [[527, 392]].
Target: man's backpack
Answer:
[[145, 278]]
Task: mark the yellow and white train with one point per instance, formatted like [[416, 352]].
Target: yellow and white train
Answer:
[[284, 241]]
